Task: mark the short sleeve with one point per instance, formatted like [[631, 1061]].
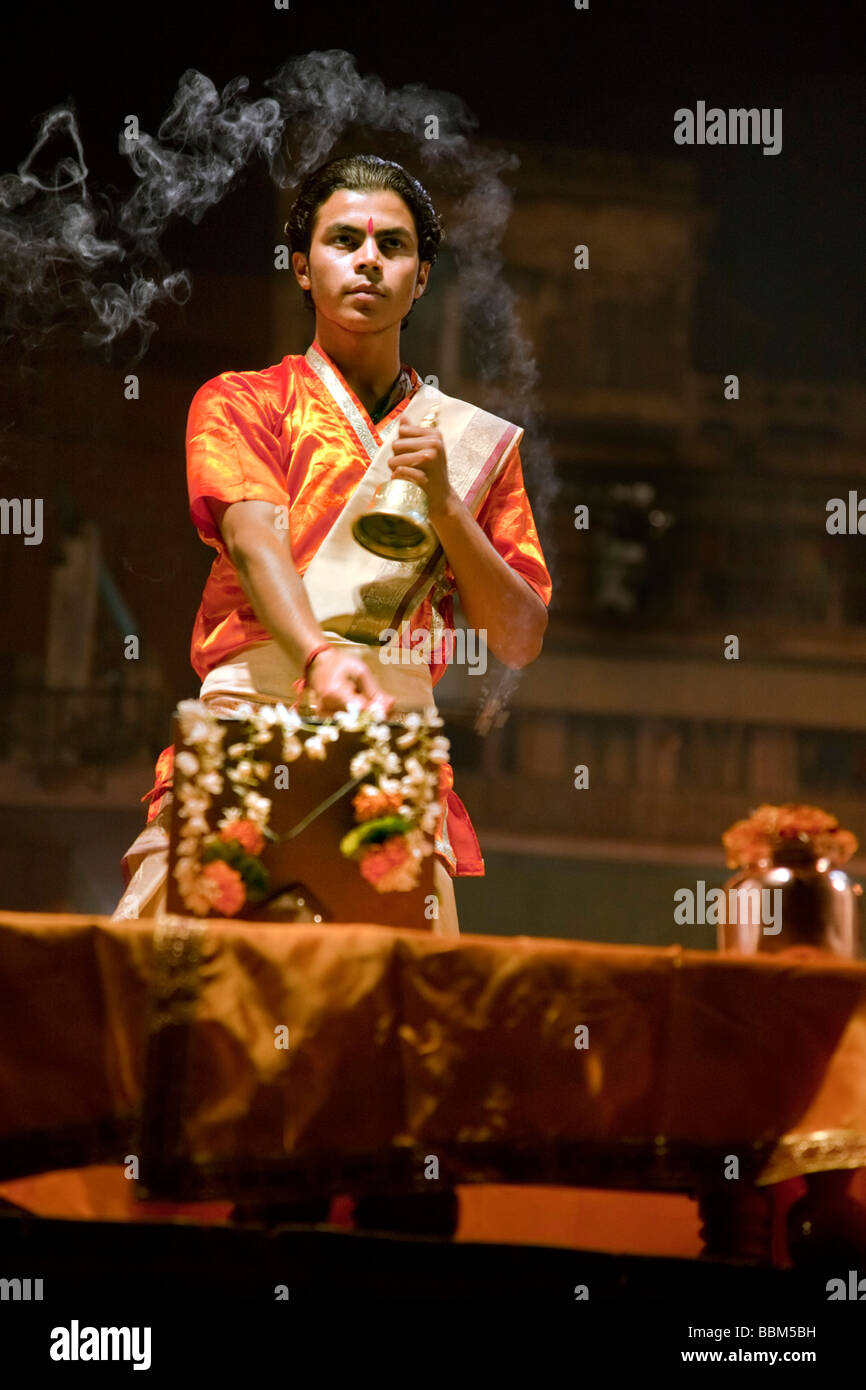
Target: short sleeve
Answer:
[[233, 452], [507, 521]]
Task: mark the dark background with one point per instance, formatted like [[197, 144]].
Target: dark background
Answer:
[[786, 260]]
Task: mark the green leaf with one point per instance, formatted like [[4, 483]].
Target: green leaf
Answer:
[[256, 878], [372, 832], [250, 867]]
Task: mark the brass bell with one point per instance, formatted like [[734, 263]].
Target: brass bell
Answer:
[[396, 524]]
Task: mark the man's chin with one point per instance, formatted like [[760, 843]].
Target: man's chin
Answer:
[[359, 319], [374, 305], [363, 318]]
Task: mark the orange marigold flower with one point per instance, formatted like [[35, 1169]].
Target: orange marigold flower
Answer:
[[390, 867], [369, 802], [247, 834], [754, 840], [226, 887]]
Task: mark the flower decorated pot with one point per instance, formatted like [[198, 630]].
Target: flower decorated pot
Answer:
[[790, 889], [251, 842]]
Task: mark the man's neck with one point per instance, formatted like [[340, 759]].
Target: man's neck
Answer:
[[369, 362]]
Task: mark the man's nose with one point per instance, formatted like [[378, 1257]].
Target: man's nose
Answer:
[[368, 251]]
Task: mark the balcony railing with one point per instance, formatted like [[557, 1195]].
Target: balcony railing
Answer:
[[55, 731], [669, 780]]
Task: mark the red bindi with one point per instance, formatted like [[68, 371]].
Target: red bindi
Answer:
[[370, 225]]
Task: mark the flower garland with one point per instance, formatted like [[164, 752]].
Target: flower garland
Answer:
[[396, 814], [755, 840]]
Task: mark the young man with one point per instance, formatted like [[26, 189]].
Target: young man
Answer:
[[304, 442]]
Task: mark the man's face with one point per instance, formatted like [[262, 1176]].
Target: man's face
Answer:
[[363, 242]]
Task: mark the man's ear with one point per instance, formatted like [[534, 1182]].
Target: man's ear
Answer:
[[301, 268], [421, 283]]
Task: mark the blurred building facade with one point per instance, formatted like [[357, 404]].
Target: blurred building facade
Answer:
[[705, 520]]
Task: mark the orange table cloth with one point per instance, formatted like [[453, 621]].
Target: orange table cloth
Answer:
[[288, 1057]]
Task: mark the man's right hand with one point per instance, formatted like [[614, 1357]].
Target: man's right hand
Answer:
[[337, 677]]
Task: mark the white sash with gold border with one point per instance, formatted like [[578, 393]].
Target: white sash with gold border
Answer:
[[355, 593]]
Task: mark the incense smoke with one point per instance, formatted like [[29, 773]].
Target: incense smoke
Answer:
[[71, 255]]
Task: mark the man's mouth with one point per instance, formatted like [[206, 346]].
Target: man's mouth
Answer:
[[365, 289]]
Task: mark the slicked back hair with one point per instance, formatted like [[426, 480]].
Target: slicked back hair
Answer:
[[363, 173]]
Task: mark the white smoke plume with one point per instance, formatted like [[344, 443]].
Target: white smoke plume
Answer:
[[70, 255]]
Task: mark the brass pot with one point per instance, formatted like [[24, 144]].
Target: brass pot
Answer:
[[820, 905]]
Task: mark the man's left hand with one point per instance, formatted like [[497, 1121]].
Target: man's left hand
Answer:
[[419, 457]]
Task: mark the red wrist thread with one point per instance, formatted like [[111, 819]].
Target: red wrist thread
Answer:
[[301, 683]]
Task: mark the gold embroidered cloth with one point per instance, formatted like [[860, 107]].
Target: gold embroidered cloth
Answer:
[[403, 1045]]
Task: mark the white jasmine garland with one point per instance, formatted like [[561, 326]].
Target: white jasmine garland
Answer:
[[258, 808], [205, 765], [292, 748], [361, 764], [349, 716]]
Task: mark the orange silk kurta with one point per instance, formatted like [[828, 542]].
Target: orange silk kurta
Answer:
[[279, 436]]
